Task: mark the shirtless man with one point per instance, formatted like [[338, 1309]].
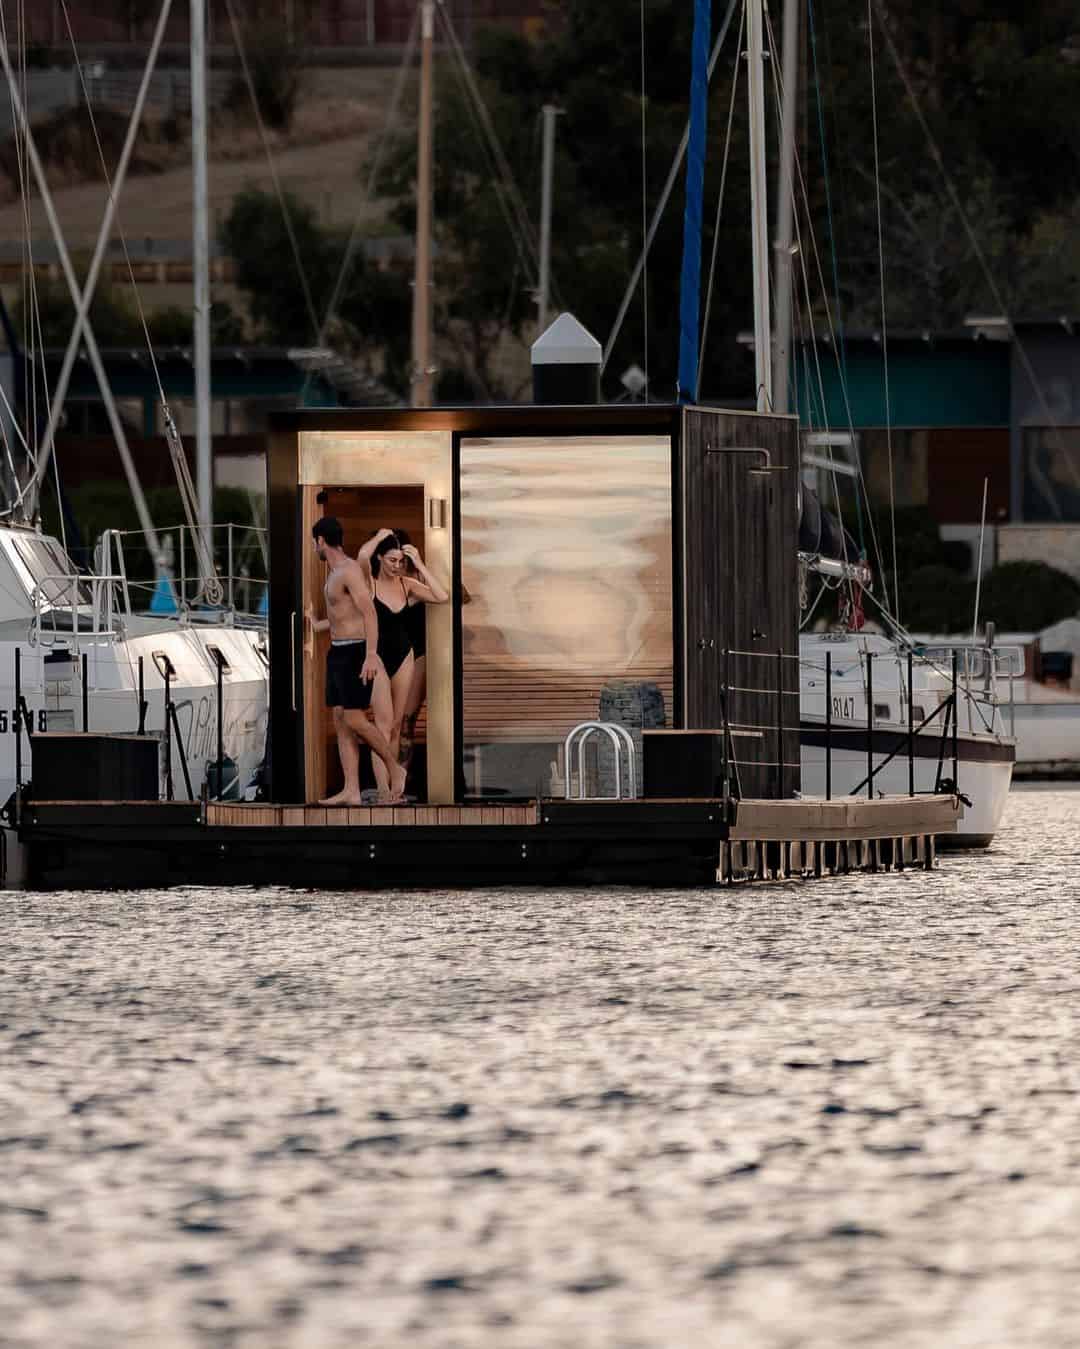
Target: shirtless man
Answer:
[[355, 678]]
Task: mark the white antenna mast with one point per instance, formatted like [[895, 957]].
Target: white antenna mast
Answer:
[[204, 470]]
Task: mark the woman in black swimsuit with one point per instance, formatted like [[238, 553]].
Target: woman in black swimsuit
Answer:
[[398, 597]]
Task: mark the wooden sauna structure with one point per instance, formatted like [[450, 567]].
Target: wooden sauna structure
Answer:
[[600, 560]]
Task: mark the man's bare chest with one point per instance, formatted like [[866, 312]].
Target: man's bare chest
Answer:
[[337, 593]]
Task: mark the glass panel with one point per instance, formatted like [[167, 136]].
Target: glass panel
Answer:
[[567, 601], [46, 563], [1052, 473]]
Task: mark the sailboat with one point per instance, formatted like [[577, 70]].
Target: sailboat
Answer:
[[878, 713], [182, 657]]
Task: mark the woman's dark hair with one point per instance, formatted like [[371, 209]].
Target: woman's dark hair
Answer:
[[386, 545], [329, 528]]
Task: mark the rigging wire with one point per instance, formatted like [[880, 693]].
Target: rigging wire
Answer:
[[497, 182], [286, 214], [973, 240], [525, 227], [644, 212], [661, 205], [524, 219], [778, 94], [884, 318], [841, 349], [211, 586], [109, 190], [352, 244], [833, 339], [29, 372], [720, 203]]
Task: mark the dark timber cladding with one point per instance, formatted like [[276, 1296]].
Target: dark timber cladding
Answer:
[[734, 565], [741, 588]]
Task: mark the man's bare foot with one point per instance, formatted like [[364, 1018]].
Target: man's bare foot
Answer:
[[342, 798]]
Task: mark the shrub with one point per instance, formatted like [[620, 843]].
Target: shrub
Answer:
[[1028, 596]]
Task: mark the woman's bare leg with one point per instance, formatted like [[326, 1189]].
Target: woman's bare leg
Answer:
[[357, 721], [417, 690], [382, 710], [399, 692]]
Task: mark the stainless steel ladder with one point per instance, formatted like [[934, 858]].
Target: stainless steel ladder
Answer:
[[622, 742]]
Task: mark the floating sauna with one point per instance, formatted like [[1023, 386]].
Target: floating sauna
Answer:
[[600, 560], [612, 688]]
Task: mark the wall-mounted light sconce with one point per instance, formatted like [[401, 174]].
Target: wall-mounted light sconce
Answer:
[[436, 512]]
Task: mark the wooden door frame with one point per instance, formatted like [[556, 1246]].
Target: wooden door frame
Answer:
[[288, 538]]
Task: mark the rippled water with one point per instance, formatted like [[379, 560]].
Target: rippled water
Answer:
[[842, 1113]]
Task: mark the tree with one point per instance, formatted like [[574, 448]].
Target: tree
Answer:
[[988, 77], [589, 68], [372, 314]]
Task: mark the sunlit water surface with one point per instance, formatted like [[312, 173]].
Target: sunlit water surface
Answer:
[[842, 1113]]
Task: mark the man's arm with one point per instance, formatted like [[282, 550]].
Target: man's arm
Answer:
[[317, 624]]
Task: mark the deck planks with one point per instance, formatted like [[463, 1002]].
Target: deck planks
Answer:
[[308, 817]]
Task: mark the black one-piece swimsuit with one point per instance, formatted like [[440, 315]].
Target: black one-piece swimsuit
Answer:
[[394, 640]]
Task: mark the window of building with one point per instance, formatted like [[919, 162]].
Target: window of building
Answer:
[[1051, 469]]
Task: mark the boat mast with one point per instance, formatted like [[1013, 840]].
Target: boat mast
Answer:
[[204, 471], [759, 226], [421, 334], [785, 206]]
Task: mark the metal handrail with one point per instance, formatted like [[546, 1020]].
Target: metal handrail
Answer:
[[621, 740]]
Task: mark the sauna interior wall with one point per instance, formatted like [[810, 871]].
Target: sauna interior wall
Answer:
[[741, 587]]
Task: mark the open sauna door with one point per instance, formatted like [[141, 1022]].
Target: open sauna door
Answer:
[[371, 481]]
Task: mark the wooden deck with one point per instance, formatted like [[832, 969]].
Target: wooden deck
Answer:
[[400, 817]]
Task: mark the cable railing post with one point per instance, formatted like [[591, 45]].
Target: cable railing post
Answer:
[[220, 725], [168, 735], [828, 725], [779, 725], [85, 693], [956, 722], [724, 729], [142, 699], [910, 726], [870, 725], [232, 596], [18, 730]]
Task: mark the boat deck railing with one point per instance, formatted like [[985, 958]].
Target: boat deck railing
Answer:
[[174, 585]]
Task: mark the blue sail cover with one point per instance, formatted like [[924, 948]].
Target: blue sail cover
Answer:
[[690, 288]]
